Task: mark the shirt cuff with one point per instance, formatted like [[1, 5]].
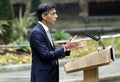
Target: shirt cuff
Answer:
[[66, 49]]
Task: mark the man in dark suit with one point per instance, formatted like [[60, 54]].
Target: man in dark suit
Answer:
[[45, 55]]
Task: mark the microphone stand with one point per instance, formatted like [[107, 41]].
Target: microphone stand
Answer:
[[101, 46]]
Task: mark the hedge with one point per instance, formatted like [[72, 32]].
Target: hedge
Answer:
[[6, 10]]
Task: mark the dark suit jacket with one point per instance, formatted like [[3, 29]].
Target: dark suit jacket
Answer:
[[44, 57]]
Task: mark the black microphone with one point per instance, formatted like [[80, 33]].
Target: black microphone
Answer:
[[96, 39], [93, 37]]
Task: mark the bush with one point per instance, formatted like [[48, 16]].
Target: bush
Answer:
[[5, 32], [61, 35], [23, 48], [22, 26], [6, 10], [16, 29]]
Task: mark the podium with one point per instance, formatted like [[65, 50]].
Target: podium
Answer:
[[90, 64]]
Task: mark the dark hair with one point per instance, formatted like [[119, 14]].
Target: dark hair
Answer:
[[44, 8]]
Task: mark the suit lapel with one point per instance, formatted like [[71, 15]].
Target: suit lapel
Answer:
[[46, 36]]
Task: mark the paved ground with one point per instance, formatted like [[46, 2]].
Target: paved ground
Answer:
[[110, 72]]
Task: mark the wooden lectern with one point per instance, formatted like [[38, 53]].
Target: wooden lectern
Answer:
[[90, 63]]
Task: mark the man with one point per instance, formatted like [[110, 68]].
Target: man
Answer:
[[44, 54]]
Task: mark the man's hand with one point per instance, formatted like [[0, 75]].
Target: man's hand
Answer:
[[73, 44]]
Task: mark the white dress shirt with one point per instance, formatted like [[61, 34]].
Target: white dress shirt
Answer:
[[47, 31]]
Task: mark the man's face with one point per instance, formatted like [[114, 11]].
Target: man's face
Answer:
[[51, 17]]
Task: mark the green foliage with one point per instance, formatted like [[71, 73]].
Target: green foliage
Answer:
[[6, 10], [16, 29], [22, 26], [34, 5], [5, 32], [23, 48], [1, 26], [61, 35]]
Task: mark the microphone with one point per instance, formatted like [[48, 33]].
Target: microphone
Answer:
[[101, 46], [93, 37]]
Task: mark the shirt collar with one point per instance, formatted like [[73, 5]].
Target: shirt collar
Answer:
[[44, 26]]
